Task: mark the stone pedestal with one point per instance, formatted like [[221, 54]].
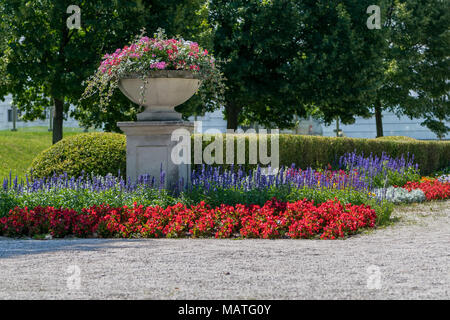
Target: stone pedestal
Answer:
[[149, 144]]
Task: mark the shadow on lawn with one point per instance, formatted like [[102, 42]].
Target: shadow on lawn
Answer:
[[10, 247]]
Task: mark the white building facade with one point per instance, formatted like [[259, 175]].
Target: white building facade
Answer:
[[392, 126], [7, 115], [362, 128]]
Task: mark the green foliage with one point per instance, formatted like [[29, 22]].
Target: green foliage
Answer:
[[79, 199], [383, 209], [44, 63], [258, 39], [284, 193], [396, 138], [235, 196], [318, 152], [335, 43], [441, 172], [287, 58], [284, 57], [416, 60], [94, 153], [395, 178], [8, 201]]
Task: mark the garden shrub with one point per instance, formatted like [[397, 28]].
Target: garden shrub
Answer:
[[94, 153], [103, 153], [396, 138], [317, 152]]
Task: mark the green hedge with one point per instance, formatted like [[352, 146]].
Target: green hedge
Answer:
[[98, 153], [103, 153], [396, 138], [317, 152]]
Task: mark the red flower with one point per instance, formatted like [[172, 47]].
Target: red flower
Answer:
[[300, 219], [433, 189]]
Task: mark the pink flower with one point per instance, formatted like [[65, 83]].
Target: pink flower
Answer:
[[161, 65], [158, 65]]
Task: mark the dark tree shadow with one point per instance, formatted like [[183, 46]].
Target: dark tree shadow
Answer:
[[10, 247]]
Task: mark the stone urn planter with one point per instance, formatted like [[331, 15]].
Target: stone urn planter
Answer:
[[150, 139], [174, 70], [160, 92]]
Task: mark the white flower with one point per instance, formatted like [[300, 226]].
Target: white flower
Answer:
[[400, 195], [445, 178]]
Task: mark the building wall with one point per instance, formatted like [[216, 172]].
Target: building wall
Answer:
[[211, 120], [392, 126], [5, 124], [362, 128]]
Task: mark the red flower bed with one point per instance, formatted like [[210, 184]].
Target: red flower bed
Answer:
[[301, 219], [433, 189]]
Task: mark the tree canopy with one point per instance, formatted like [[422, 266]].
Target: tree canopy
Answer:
[[45, 63], [416, 81], [288, 58], [280, 57]]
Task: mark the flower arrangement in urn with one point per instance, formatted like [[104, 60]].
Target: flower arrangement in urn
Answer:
[[158, 73]]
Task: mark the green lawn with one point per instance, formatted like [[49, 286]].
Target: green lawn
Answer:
[[18, 148]]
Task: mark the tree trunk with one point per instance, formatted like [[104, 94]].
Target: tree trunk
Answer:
[[232, 113], [58, 118], [378, 119], [337, 127]]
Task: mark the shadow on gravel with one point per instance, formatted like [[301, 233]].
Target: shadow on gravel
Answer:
[[14, 247]]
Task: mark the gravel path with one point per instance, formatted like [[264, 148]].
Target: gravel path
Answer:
[[409, 260]]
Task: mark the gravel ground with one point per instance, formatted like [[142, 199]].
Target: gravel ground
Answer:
[[408, 260]]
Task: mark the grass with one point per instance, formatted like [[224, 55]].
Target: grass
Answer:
[[18, 148]]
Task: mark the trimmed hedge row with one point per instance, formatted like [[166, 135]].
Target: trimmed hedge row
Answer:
[[430, 155], [318, 152], [396, 138], [103, 153]]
